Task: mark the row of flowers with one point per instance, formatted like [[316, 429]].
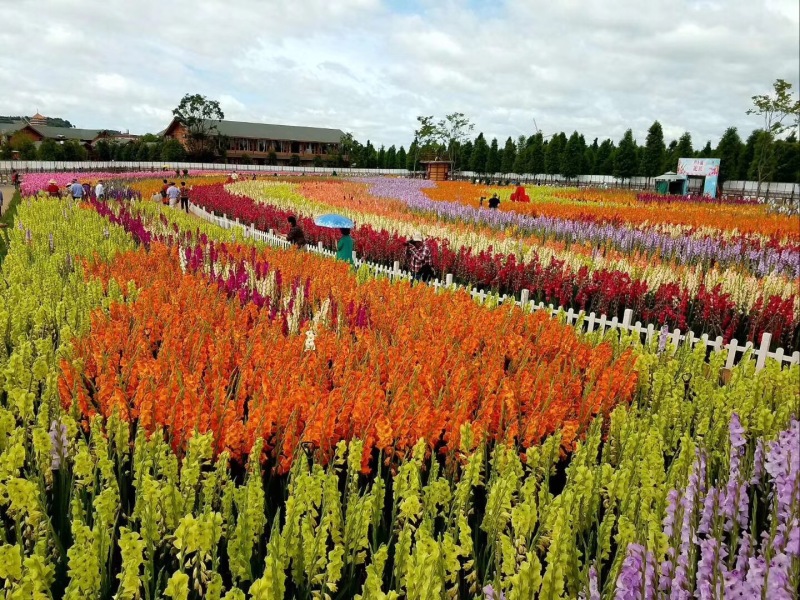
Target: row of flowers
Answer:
[[108, 510], [709, 307]]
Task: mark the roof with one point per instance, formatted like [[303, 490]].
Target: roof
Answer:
[[670, 176], [69, 133], [268, 131], [12, 127]]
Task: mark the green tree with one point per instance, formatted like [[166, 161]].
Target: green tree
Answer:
[[654, 150], [294, 160], [605, 158], [464, 157], [493, 159], [670, 157], [684, 148], [411, 157], [272, 158], [706, 152], [780, 113], [590, 158], [74, 151], [49, 149], [199, 115], [400, 161], [451, 132], [729, 152], [103, 150], [391, 158], [173, 151], [143, 152], [245, 159], [23, 143], [480, 154], [572, 158], [536, 154], [787, 153], [520, 160], [348, 148], [381, 161], [509, 156], [553, 155], [625, 162], [318, 162], [426, 138]]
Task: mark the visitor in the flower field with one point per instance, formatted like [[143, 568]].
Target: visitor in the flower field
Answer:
[[164, 189], [482, 199], [87, 190], [15, 178], [173, 193], [53, 190], [344, 249], [100, 190], [184, 197], [494, 201], [419, 258], [296, 237], [76, 190]]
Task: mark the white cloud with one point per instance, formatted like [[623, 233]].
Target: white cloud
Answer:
[[371, 66]]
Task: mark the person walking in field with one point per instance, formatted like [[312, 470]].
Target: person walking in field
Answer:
[[344, 249], [53, 190], [164, 189], [76, 190], [184, 197], [100, 190], [419, 258], [296, 237], [173, 193], [15, 178]]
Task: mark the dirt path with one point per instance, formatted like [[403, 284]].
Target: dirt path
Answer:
[[8, 192]]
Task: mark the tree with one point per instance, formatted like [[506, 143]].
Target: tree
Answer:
[[625, 158], [509, 156], [684, 148], [654, 150], [198, 114], [605, 158], [452, 131], [74, 151], [245, 159], [480, 154], [520, 160], [572, 158], [294, 160], [493, 158], [787, 159], [425, 139], [464, 157], [391, 158], [347, 150], [590, 158], [400, 161], [173, 151], [103, 150], [706, 152], [536, 154], [780, 113], [23, 143], [318, 161], [553, 153], [411, 157], [729, 151], [381, 162], [49, 149], [272, 158]]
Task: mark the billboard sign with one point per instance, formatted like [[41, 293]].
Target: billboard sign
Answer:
[[701, 167]]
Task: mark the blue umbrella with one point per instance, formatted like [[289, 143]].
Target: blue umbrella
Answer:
[[334, 222]]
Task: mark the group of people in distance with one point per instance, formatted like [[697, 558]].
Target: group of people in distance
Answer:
[[76, 190], [418, 253], [171, 194]]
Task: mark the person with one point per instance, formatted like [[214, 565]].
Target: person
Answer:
[[419, 258], [494, 201], [100, 190], [87, 190], [482, 199], [173, 193], [76, 190], [296, 237], [15, 178], [164, 189], [344, 249], [184, 197], [53, 190], [1, 202]]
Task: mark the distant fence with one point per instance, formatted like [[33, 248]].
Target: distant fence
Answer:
[[790, 191], [589, 322]]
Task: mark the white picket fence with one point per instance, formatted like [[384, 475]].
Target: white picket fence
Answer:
[[589, 322]]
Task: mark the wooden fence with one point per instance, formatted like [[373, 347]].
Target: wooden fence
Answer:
[[588, 322]]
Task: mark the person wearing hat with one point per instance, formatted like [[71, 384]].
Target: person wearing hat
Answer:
[[76, 189], [494, 201], [419, 258], [100, 190], [344, 247], [53, 190]]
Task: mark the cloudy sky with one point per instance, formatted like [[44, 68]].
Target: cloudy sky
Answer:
[[372, 66]]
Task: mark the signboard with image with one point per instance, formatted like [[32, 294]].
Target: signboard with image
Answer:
[[701, 167]]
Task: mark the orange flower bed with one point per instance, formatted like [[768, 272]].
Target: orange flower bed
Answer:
[[186, 358]]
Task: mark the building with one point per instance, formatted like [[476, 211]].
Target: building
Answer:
[[437, 170], [257, 141]]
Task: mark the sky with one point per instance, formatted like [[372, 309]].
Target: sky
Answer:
[[371, 66]]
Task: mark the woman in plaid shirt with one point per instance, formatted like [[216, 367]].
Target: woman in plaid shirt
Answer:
[[419, 258]]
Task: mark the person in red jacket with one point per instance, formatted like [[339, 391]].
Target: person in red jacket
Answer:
[[53, 190]]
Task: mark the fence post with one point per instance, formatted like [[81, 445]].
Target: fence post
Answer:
[[396, 270], [763, 350], [320, 247], [627, 317], [355, 257], [590, 321], [448, 279], [524, 298], [732, 350], [795, 358]]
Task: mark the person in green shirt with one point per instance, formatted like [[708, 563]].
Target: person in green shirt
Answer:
[[344, 249]]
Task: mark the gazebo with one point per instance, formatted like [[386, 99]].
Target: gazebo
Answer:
[[437, 170], [671, 183]]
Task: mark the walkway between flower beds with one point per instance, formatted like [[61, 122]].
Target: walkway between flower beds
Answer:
[[590, 322]]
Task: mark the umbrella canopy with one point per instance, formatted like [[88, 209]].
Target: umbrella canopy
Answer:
[[334, 222]]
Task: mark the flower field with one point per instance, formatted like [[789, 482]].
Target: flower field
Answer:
[[185, 413]]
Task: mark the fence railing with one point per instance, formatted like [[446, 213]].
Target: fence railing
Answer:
[[588, 322]]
